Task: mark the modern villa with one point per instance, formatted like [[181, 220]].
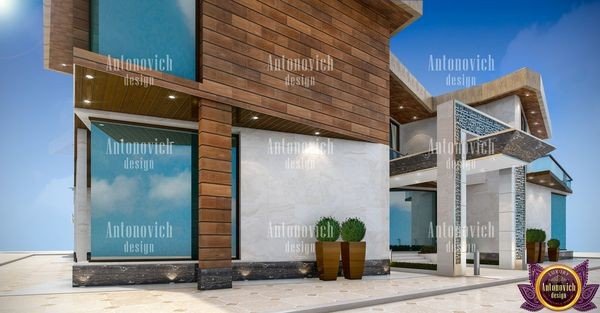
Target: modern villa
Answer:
[[210, 136]]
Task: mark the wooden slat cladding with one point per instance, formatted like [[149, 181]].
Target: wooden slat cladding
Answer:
[[241, 37], [58, 38], [81, 24], [214, 179]]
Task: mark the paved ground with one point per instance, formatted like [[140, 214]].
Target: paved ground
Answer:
[[505, 298], [43, 284]]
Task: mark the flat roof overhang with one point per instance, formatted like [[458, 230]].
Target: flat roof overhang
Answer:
[[548, 179], [524, 83], [410, 101], [166, 101], [510, 148], [397, 13]]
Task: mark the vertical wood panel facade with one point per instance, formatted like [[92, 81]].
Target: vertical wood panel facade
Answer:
[[214, 179]]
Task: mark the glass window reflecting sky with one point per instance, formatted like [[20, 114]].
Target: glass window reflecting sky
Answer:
[[141, 192]]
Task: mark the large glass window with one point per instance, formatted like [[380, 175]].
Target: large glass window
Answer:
[[559, 219], [412, 218], [161, 35], [142, 192]]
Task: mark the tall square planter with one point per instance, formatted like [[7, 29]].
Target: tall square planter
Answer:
[[353, 259], [328, 259]]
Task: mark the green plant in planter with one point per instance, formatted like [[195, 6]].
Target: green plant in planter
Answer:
[[553, 254], [531, 235], [532, 238], [353, 230], [353, 248], [327, 229], [327, 248]]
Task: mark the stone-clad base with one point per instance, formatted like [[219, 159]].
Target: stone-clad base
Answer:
[[214, 278], [133, 273], [287, 270], [110, 274]]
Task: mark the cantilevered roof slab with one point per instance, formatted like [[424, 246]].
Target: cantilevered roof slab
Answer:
[[524, 83]]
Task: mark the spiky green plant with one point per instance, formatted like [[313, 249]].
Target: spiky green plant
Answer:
[[327, 229], [353, 230]]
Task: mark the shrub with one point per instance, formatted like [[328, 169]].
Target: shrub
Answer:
[[542, 235], [327, 229], [535, 235], [553, 243], [353, 229], [531, 235]]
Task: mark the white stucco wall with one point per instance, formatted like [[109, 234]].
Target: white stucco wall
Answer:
[[483, 208], [539, 208], [507, 109], [351, 180]]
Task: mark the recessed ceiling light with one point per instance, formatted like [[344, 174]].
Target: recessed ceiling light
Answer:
[[88, 76], [551, 184], [255, 117], [527, 94], [414, 117], [536, 123], [86, 101], [101, 125], [171, 97], [539, 131], [317, 133], [542, 181], [532, 112], [63, 64], [401, 107]]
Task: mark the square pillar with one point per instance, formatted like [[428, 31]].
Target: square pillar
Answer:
[[82, 218], [506, 219], [451, 195], [214, 191]]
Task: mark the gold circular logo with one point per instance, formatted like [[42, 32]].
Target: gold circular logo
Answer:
[[558, 287]]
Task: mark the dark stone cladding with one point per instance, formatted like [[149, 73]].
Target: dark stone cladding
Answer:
[[513, 143], [105, 274], [300, 269], [214, 278], [134, 273]]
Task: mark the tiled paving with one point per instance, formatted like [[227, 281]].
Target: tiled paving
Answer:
[[505, 298], [43, 284]]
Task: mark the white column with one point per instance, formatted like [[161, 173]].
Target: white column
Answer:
[[82, 217], [506, 219], [451, 247]]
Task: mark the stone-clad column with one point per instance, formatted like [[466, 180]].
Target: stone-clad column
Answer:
[[451, 195], [214, 211]]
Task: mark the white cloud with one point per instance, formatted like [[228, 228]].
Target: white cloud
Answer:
[[120, 195], [174, 189]]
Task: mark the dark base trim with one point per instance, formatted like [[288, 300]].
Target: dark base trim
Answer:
[[134, 273], [296, 269], [107, 274], [214, 278]]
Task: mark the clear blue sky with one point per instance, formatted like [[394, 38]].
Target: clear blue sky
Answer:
[[560, 39]]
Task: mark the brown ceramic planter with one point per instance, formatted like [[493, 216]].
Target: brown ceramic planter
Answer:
[[353, 259], [542, 252], [553, 254], [533, 252], [328, 259]]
